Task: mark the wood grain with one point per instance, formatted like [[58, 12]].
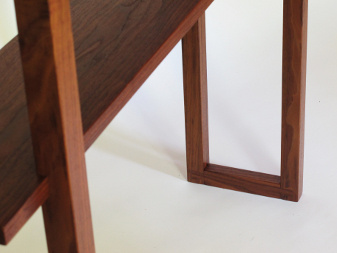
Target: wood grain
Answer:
[[18, 177], [196, 105], [112, 66], [48, 60], [294, 84], [245, 181], [117, 46]]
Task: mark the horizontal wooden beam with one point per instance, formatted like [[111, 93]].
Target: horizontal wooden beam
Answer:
[[245, 181]]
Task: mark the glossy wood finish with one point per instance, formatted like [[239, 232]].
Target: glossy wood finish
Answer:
[[289, 185], [294, 84], [48, 60], [196, 106], [111, 66]]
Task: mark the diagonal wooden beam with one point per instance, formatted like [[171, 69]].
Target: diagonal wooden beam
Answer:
[[48, 61]]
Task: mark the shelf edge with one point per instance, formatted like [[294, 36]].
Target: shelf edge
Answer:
[[13, 226]]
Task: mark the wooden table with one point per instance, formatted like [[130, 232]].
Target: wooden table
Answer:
[[63, 81]]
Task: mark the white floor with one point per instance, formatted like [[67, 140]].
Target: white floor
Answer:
[[140, 199]]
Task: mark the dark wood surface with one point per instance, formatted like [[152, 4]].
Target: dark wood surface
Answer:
[[195, 99], [119, 50], [18, 178], [117, 44]]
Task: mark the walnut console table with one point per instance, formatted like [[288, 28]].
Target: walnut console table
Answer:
[[75, 65]]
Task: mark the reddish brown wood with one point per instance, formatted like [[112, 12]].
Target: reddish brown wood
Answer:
[[245, 181], [28, 208], [108, 76], [196, 106], [253, 176], [48, 61], [294, 82]]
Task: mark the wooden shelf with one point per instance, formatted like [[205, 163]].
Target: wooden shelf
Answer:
[[118, 44]]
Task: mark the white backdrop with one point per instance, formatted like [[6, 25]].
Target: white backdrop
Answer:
[[141, 201]]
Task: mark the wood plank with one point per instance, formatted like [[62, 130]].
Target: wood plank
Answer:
[[148, 30], [245, 181], [294, 84], [48, 61], [264, 178], [196, 104]]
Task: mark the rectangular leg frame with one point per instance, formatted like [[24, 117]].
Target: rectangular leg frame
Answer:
[[289, 185]]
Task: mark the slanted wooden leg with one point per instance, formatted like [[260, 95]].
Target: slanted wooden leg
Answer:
[[294, 82], [48, 60], [196, 111]]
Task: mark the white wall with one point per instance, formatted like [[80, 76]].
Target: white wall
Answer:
[[7, 21]]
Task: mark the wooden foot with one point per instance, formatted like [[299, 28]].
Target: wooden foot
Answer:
[[289, 185], [48, 61]]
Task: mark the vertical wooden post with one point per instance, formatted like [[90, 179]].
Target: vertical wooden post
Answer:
[[48, 60], [293, 102], [196, 106]]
